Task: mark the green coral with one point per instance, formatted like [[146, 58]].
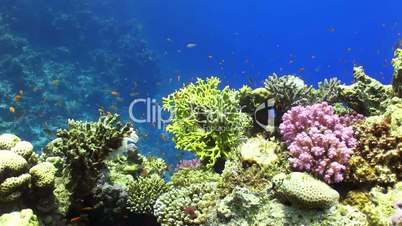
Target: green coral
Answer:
[[252, 177], [84, 147], [276, 213], [25, 217], [329, 91], [288, 91], [397, 81], [206, 120], [237, 208], [7, 141], [43, 175], [153, 165], [143, 193], [366, 95], [187, 177], [377, 158], [304, 191], [381, 205], [186, 205], [14, 177]]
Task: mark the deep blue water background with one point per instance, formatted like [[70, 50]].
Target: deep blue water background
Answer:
[[242, 42]]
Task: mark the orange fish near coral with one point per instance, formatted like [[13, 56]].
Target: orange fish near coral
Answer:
[[17, 98], [75, 220]]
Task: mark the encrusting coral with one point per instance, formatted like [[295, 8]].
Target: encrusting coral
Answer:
[[206, 120], [304, 191], [377, 157], [318, 142]]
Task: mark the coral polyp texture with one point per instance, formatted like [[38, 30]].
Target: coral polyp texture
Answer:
[[318, 142], [206, 120], [304, 191]]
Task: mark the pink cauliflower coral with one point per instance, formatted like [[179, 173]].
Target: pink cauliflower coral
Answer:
[[317, 141]]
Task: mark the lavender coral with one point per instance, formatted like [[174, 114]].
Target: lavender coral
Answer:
[[317, 141]]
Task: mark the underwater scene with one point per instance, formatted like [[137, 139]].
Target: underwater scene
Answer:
[[200, 113]]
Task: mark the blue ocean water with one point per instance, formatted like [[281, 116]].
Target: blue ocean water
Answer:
[[68, 58]]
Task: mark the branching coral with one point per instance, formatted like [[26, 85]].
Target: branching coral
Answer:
[[143, 193], [328, 90], [318, 142], [25, 217], [185, 205], [206, 120], [288, 91], [84, 148]]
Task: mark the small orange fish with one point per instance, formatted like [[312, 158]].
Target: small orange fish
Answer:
[[17, 98], [301, 69], [115, 93], [12, 109], [75, 220]]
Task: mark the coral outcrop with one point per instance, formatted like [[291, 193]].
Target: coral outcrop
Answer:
[[25, 217], [318, 142], [377, 158], [206, 120], [397, 77], [304, 191], [366, 95]]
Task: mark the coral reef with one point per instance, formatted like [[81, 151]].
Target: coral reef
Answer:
[[206, 120], [288, 91], [25, 217], [144, 192], [14, 176], [187, 177], [186, 205], [366, 95], [304, 191], [318, 142], [377, 158], [397, 79]]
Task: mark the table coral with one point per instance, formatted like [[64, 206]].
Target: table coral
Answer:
[[206, 120], [318, 142]]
